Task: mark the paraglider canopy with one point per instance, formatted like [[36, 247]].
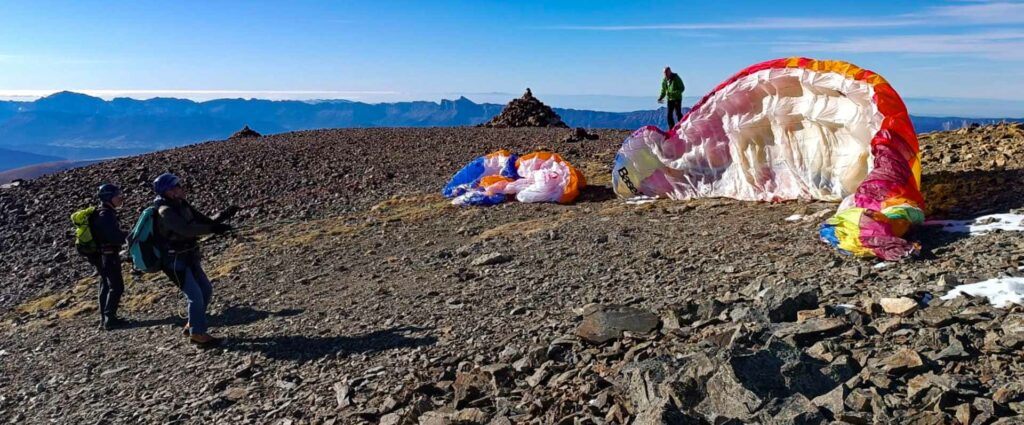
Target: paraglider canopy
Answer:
[[534, 177], [792, 128]]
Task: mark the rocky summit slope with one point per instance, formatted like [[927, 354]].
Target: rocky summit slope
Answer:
[[353, 293]]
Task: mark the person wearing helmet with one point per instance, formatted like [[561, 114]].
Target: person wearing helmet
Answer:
[[109, 237], [181, 225]]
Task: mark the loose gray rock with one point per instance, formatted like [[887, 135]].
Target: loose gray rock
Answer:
[[491, 259], [782, 303], [609, 322]]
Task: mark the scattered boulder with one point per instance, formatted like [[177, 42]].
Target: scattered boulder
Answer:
[[812, 330], [579, 134], [609, 323], [901, 306], [469, 386], [663, 412], [796, 409], [491, 259], [832, 401], [904, 360], [936, 317], [680, 315], [783, 302], [809, 314], [1008, 393]]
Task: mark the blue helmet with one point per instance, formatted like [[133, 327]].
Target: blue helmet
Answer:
[[108, 191], [165, 182]]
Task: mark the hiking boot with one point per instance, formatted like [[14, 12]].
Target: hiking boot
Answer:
[[111, 323], [204, 341]]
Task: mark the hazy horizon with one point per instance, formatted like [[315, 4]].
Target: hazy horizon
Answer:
[[925, 107]]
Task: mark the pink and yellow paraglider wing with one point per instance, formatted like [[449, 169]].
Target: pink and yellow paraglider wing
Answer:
[[792, 128]]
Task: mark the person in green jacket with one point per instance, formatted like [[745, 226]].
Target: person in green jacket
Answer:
[[672, 88]]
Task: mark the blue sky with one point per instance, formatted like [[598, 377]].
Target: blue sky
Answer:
[[586, 54]]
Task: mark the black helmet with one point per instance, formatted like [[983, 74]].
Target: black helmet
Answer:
[[108, 191]]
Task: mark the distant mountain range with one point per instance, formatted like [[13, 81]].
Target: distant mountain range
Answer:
[[69, 125], [15, 159]]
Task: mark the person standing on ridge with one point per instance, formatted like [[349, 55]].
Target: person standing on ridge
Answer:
[[181, 225], [109, 238], [672, 89]]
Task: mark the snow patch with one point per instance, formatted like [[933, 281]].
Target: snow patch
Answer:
[[641, 199], [981, 225], [1001, 292], [809, 217]]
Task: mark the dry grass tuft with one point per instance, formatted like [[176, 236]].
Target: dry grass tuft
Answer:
[[527, 227]]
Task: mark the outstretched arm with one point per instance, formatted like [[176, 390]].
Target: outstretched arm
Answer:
[[174, 222], [226, 214]]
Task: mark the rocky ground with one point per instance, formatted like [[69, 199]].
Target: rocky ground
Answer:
[[353, 293]]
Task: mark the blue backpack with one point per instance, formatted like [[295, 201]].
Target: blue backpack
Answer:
[[145, 244]]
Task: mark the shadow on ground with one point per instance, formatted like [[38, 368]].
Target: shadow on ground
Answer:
[[596, 194], [231, 316], [962, 195], [968, 194], [302, 348], [242, 315]]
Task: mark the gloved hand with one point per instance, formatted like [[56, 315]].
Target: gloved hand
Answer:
[[229, 212], [220, 228], [661, 100]]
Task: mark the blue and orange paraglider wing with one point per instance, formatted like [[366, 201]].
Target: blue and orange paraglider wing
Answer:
[[534, 177]]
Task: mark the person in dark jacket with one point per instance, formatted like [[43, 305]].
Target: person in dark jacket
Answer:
[[106, 229], [181, 225], [672, 89]]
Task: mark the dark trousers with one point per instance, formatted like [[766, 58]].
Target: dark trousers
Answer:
[[675, 112], [111, 282]]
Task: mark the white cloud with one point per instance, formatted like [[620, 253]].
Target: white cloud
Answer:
[[200, 94], [980, 13], [1003, 45], [980, 19], [756, 24], [975, 13]]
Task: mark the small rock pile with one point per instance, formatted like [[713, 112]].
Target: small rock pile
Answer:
[[579, 134], [769, 355], [526, 111], [245, 132]]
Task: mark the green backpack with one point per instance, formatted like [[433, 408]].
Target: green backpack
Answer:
[[84, 242]]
